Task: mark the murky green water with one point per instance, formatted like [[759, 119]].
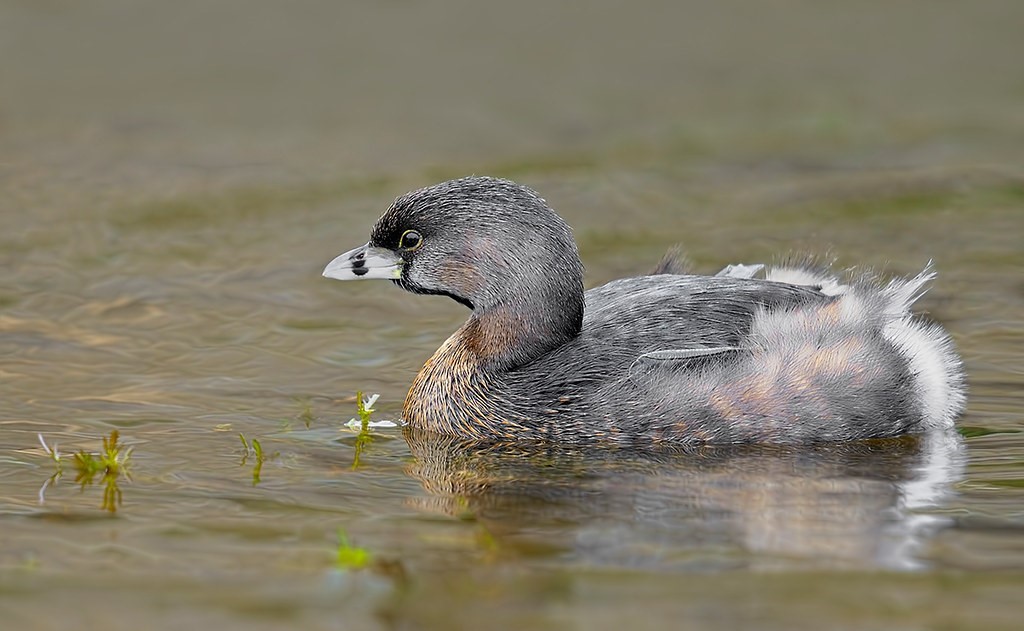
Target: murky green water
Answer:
[[174, 176]]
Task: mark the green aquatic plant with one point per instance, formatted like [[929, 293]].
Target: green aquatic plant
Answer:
[[111, 461], [364, 408], [255, 449], [349, 557], [111, 464]]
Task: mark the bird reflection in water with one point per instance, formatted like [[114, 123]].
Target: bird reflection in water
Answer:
[[853, 505]]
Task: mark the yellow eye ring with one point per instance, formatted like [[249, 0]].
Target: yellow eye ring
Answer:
[[410, 240]]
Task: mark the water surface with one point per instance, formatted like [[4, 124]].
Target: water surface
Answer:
[[172, 181]]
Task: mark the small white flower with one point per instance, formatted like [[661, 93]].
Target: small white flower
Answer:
[[369, 401]]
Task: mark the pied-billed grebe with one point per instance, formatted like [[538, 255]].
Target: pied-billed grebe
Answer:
[[796, 357]]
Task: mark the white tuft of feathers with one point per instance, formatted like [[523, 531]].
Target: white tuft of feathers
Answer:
[[926, 347]]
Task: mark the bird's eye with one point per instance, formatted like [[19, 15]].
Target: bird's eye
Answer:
[[410, 240]]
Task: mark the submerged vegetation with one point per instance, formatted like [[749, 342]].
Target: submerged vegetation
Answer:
[[111, 464], [348, 556], [352, 558]]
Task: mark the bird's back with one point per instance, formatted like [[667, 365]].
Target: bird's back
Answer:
[[725, 360], [628, 318]]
